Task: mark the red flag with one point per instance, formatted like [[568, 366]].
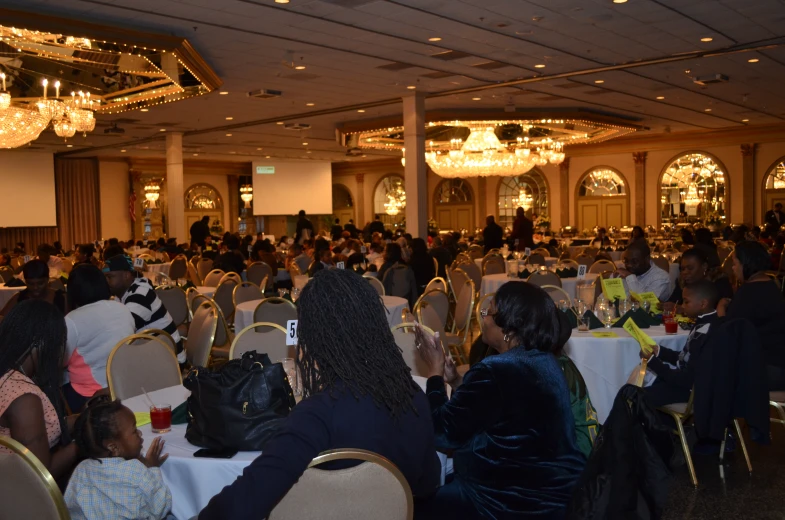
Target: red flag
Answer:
[[132, 206]]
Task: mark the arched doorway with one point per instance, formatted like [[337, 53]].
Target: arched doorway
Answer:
[[453, 205], [774, 186], [693, 188], [602, 199], [529, 191], [389, 200], [343, 204], [204, 200]]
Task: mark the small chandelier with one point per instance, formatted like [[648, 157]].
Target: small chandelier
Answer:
[[152, 191], [691, 200], [246, 193], [525, 200], [396, 202]]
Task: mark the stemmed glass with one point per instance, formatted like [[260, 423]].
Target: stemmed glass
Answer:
[[605, 314]]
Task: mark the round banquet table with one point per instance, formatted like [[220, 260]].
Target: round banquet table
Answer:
[[205, 290], [492, 282], [6, 293], [243, 314], [550, 261], [606, 363], [194, 481]]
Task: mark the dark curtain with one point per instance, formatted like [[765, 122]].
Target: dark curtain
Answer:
[[77, 196]]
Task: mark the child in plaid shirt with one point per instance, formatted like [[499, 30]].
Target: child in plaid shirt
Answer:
[[115, 481]]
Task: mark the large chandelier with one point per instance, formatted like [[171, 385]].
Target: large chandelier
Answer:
[[396, 202], [246, 194], [691, 199], [524, 200], [152, 191]]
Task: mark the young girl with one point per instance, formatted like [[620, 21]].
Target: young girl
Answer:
[[115, 481]]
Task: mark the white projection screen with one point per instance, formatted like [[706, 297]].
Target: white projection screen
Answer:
[[28, 187], [285, 187]]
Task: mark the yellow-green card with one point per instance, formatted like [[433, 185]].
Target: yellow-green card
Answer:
[[605, 334], [643, 339], [613, 289], [647, 297]]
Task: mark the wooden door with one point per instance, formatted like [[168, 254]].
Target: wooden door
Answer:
[[455, 216], [344, 215], [603, 212], [588, 212]]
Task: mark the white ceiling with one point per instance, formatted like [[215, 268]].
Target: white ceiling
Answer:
[[345, 44]]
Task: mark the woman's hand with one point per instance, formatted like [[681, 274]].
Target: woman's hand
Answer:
[[722, 307], [430, 352], [153, 457]]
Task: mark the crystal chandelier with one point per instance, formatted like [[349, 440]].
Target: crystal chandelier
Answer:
[[396, 202], [525, 200], [691, 200], [246, 194], [152, 191]]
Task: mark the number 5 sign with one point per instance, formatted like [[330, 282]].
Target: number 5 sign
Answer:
[[291, 332]]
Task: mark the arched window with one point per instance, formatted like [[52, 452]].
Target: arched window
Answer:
[[201, 197], [602, 183], [453, 191], [528, 191], [389, 200], [693, 190], [775, 178]]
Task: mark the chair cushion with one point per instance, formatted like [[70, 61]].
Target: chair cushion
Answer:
[[777, 397], [676, 407]]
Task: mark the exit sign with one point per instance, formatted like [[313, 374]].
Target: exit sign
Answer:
[[265, 170]]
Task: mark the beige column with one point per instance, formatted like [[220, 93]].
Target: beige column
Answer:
[[234, 203], [359, 201], [481, 202], [564, 192], [747, 185], [175, 207], [639, 158], [416, 173]]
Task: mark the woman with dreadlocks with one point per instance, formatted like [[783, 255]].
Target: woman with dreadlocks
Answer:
[[357, 393], [509, 418], [32, 345]]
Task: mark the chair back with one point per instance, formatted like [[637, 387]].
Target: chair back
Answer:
[[535, 259], [223, 335], [427, 315], [557, 293], [662, 263], [246, 292], [602, 265], [197, 300], [6, 273], [542, 252], [584, 259], [568, 262], [141, 361], [376, 284], [231, 276], [483, 304], [193, 275], [457, 279], [213, 278], [294, 270], [439, 302], [163, 336], [397, 279], [461, 259], [28, 490], [263, 337], [201, 334], [475, 252], [404, 338], [564, 256], [540, 278], [178, 268], [435, 266], [493, 264], [275, 310], [175, 302], [223, 297], [437, 284], [464, 305], [474, 273], [203, 268], [724, 252], [146, 257], [257, 272], [375, 485]]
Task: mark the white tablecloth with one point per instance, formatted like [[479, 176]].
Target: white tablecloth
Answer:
[[394, 305], [207, 291], [194, 481], [549, 261], [6, 293], [606, 363], [492, 282]]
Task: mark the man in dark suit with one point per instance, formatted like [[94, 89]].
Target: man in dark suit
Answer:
[[492, 235], [351, 228], [199, 230], [303, 224], [775, 217], [522, 230], [377, 226], [336, 230]]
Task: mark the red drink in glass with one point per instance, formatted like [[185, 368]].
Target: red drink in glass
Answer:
[[161, 418], [671, 327]]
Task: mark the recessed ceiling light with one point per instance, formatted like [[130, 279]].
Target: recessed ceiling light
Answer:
[[361, 111], [707, 110], [310, 104], [162, 130], [69, 146], [300, 67], [305, 144], [228, 135], [122, 151], [434, 39], [229, 118], [707, 39], [539, 66], [745, 120], [660, 97], [308, 151], [279, 123], [619, 1], [687, 71], [266, 156], [258, 149], [223, 92], [599, 81], [281, 1], [145, 110], [196, 155], [411, 87], [753, 60], [232, 152], [476, 98]]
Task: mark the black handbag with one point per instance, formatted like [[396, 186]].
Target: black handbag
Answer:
[[238, 406]]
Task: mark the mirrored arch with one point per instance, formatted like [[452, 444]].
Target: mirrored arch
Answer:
[[775, 177], [693, 189], [453, 191], [203, 196], [529, 191], [602, 182], [389, 200]]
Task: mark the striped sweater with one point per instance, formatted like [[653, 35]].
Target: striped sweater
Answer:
[[148, 310]]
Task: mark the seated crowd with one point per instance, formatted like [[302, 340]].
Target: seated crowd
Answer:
[[518, 424]]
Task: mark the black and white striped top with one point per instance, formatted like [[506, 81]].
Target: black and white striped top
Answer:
[[148, 310]]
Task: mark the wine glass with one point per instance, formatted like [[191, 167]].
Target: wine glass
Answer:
[[624, 306], [295, 294], [605, 314]]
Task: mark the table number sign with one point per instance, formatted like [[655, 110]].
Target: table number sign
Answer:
[[26, 258], [643, 339], [613, 289], [340, 265], [139, 262], [363, 249], [291, 332], [250, 249], [582, 272], [527, 251]]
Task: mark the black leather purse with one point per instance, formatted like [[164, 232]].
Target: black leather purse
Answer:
[[238, 406]]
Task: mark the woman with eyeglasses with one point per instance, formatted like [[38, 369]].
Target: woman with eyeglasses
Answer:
[[509, 422]]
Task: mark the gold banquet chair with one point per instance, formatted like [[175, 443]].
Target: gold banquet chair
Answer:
[[376, 284], [373, 489], [404, 336], [141, 360], [175, 302], [201, 334], [32, 492], [213, 278], [263, 337], [777, 401], [275, 310]]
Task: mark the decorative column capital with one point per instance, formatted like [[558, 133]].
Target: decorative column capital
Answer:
[[359, 177], [564, 167], [639, 157], [748, 150]]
